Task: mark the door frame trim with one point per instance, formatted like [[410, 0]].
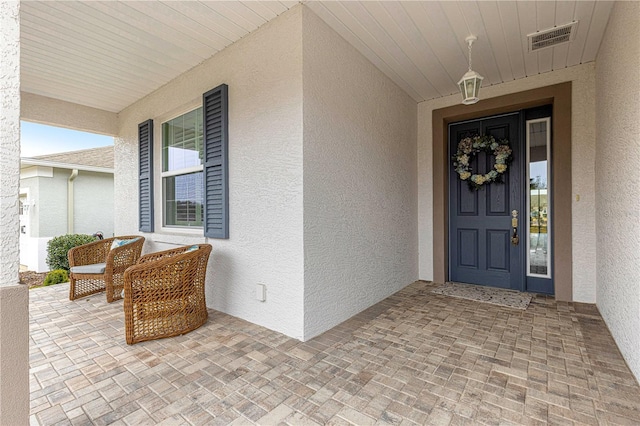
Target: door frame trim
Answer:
[[559, 96]]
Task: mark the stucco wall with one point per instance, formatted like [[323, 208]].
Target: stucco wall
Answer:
[[93, 210], [9, 140], [32, 187], [51, 205], [583, 170], [14, 298], [618, 180], [93, 203], [360, 193], [54, 112], [264, 75]]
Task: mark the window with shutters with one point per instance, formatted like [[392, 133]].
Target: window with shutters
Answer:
[[194, 168], [182, 171]]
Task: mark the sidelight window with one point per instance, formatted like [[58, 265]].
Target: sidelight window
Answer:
[[539, 197]]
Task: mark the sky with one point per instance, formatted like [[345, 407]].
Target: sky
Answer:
[[38, 139]]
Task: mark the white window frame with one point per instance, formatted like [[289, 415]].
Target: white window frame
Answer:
[[550, 223], [159, 202]]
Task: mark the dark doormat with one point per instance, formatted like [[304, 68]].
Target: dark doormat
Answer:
[[496, 296]]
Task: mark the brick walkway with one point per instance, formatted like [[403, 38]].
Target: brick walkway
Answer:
[[415, 357]]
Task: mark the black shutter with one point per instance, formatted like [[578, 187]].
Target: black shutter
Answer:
[[215, 109], [145, 144]]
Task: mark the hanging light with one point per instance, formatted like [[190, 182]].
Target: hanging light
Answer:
[[470, 82]]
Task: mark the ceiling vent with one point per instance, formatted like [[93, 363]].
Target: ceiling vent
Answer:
[[552, 36]]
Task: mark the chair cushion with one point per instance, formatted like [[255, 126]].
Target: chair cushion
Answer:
[[120, 243], [192, 248], [96, 268]]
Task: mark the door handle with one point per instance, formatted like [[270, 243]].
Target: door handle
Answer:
[[515, 239]]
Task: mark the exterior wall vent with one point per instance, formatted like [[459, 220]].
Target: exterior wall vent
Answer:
[[552, 36]]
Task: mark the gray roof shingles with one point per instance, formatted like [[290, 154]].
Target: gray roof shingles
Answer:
[[94, 157]]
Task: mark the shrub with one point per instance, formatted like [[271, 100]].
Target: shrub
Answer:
[[58, 247], [56, 277]]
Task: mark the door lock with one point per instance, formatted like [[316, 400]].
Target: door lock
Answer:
[[515, 239]]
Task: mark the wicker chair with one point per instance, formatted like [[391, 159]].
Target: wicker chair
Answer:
[[96, 267], [164, 293]]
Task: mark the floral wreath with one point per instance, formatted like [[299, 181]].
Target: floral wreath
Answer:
[[469, 147]]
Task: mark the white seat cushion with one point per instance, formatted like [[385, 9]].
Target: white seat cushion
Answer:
[[96, 268]]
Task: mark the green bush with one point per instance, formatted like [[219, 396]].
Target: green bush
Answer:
[[56, 277], [58, 247]]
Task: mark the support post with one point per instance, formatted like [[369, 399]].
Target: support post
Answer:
[[14, 297]]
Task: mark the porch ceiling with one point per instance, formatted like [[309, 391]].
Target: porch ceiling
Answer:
[[108, 54]]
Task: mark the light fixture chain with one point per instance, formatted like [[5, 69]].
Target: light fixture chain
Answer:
[[470, 43]]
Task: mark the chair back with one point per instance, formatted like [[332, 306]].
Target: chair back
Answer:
[[164, 294]]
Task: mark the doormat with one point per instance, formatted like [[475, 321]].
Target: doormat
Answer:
[[496, 296]]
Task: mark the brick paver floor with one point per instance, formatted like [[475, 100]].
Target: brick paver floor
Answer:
[[414, 358]]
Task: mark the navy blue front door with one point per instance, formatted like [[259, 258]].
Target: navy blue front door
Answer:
[[480, 231]]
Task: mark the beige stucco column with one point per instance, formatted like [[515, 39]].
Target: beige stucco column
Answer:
[[14, 298]]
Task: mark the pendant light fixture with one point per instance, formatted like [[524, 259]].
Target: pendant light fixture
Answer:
[[470, 83]]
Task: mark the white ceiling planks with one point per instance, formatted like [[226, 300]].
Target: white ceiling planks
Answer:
[[510, 25], [500, 54], [596, 30], [465, 20], [379, 25], [527, 22], [348, 29], [494, 37], [437, 33], [414, 41], [545, 18], [108, 54], [583, 12], [565, 12]]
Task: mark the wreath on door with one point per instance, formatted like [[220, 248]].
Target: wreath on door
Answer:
[[469, 147]]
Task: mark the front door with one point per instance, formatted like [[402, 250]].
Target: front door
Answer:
[[481, 250]]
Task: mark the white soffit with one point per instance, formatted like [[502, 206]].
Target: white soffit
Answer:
[[109, 54], [421, 44]]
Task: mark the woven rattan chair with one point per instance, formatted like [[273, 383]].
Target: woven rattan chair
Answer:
[[164, 293], [96, 267]]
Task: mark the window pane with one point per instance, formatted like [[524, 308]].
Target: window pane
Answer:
[[538, 144], [182, 141], [183, 200]]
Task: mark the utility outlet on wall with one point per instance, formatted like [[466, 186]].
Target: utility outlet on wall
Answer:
[[261, 292]]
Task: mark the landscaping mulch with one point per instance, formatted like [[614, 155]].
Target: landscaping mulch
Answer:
[[32, 279]]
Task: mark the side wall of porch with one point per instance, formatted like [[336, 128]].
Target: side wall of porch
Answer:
[[265, 245], [618, 180], [360, 181]]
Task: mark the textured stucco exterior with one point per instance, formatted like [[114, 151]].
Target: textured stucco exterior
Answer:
[[264, 75], [9, 140], [14, 354], [14, 298], [54, 112], [583, 130], [31, 186], [618, 180], [360, 193], [51, 205], [93, 205], [359, 242]]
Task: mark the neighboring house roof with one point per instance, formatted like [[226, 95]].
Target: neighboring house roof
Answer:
[[94, 159]]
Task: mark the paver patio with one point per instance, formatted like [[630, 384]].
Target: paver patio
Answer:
[[415, 357]]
